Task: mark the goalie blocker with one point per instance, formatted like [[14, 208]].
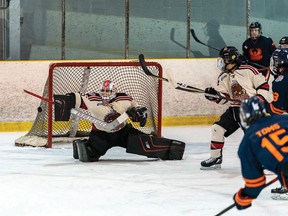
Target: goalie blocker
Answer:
[[141, 144], [63, 105]]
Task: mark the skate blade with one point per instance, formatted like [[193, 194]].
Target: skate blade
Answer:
[[279, 196], [214, 167]]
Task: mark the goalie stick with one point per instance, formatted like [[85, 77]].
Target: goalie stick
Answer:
[[179, 86], [101, 124], [207, 45], [83, 88], [233, 205]]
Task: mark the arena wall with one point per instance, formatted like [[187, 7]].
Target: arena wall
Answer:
[[179, 107]]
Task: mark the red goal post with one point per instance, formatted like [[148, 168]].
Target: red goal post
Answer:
[[85, 77]]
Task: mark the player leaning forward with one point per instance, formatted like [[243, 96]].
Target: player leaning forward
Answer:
[[238, 82], [108, 105]]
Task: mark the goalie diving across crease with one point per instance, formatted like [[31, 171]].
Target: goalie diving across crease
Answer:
[[82, 115]]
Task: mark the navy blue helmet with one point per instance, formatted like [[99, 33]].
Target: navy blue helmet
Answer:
[[278, 59], [255, 25], [283, 40], [251, 109], [255, 30]]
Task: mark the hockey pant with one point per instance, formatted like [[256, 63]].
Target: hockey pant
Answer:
[[229, 122], [155, 147]]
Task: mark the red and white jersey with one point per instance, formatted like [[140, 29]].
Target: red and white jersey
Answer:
[[243, 83], [101, 110]]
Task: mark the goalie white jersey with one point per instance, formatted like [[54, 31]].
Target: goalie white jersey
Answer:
[[105, 111], [243, 83]]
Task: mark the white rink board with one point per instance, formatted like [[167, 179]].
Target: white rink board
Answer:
[[31, 75]]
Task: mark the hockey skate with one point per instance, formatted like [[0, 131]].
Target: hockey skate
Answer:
[[280, 193], [82, 151], [211, 163]]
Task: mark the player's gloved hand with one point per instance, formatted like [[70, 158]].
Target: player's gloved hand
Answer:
[[242, 201], [138, 114], [210, 92]]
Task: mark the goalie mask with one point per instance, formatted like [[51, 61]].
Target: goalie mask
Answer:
[[108, 90], [255, 29], [251, 109], [279, 61], [229, 59]]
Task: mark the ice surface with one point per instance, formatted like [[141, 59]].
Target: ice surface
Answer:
[[49, 182]]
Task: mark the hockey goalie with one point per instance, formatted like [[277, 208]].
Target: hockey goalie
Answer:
[[108, 108]]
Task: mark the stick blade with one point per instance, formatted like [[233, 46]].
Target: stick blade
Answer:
[[194, 36], [143, 65], [146, 70]]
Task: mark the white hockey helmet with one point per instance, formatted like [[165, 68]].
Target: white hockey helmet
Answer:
[[108, 90]]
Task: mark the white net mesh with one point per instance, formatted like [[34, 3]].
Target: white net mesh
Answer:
[[70, 77]]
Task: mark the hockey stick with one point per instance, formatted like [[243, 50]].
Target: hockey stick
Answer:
[[207, 45], [184, 87], [233, 205], [147, 71], [101, 124], [83, 88], [38, 96], [180, 86], [172, 38], [198, 41]]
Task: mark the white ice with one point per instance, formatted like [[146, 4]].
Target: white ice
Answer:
[[49, 182]]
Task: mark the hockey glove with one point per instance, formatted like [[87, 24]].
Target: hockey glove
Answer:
[[210, 92], [242, 201], [138, 114]]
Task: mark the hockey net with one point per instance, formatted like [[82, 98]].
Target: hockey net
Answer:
[[84, 77]]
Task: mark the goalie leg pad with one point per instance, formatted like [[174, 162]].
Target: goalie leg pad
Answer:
[[75, 149], [84, 152], [155, 147], [177, 149]]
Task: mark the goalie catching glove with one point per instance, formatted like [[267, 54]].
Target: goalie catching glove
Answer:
[[138, 114], [210, 93]]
